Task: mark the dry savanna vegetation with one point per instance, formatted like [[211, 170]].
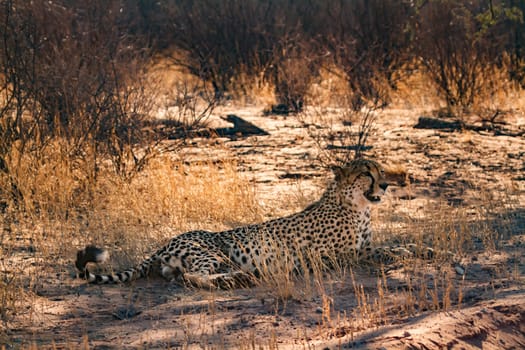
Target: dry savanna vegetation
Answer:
[[125, 123]]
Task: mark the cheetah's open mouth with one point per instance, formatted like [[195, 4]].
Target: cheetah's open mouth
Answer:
[[372, 198]]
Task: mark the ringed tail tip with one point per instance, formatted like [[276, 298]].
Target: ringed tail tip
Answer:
[[90, 254]]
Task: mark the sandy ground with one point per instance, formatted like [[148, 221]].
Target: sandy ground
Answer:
[[447, 169]]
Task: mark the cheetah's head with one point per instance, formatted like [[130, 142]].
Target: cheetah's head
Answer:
[[360, 183]]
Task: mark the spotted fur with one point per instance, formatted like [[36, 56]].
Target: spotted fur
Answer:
[[337, 224]]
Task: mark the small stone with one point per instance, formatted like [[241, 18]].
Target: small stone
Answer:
[[459, 270]]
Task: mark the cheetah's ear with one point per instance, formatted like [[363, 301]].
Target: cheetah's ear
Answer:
[[339, 172]]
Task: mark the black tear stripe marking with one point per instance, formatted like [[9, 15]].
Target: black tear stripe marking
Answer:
[[369, 174], [373, 182]]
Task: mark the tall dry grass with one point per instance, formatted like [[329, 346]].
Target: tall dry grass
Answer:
[[63, 210], [131, 218]]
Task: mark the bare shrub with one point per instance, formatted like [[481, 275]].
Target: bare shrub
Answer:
[[457, 48], [221, 39], [369, 41], [188, 103], [72, 78], [295, 67], [501, 23], [341, 138]]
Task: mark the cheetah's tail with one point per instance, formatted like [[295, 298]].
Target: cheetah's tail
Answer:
[[92, 254]]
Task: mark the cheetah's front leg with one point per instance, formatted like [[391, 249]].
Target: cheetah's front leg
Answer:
[[389, 254]]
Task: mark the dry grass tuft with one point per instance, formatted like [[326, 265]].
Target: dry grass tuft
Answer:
[[253, 90], [63, 209]]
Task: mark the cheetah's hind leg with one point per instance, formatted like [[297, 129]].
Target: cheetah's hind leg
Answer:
[[228, 280]]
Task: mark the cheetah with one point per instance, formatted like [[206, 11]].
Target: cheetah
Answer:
[[336, 225]]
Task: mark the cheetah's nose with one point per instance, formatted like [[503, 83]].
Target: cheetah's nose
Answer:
[[383, 186]]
